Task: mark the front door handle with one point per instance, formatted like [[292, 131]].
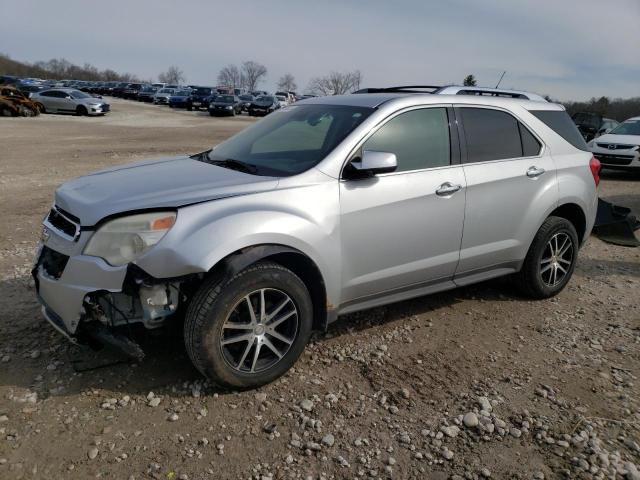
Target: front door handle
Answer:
[[447, 189], [534, 172]]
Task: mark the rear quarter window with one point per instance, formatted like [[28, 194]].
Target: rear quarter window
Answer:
[[560, 122]]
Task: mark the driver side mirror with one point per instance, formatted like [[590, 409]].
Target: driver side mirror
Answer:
[[374, 163]]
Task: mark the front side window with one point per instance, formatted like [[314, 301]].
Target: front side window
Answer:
[[418, 138], [290, 140]]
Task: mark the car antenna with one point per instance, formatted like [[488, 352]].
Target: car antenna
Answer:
[[501, 77]]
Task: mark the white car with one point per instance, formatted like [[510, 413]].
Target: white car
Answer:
[[282, 100], [162, 96], [620, 148]]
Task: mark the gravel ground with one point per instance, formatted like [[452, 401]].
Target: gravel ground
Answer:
[[472, 383]]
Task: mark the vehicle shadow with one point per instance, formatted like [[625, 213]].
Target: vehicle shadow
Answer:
[[57, 368]]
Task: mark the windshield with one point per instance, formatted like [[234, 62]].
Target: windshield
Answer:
[[183, 93], [246, 98], [264, 99], [78, 94], [224, 98], [167, 90], [202, 91], [291, 140], [629, 127]]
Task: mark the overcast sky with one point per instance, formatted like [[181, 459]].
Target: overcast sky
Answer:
[[569, 49]]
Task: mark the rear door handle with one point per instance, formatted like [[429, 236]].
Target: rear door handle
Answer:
[[534, 172], [447, 189]]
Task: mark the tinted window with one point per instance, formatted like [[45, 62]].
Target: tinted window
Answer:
[[419, 138], [530, 144], [559, 122], [48, 94], [490, 135]]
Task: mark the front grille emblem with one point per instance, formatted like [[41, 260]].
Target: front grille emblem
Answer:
[[612, 146]]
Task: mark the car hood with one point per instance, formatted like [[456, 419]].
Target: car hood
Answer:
[[170, 182], [619, 139], [262, 104]]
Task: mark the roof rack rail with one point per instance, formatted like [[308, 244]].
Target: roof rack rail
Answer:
[[401, 89]]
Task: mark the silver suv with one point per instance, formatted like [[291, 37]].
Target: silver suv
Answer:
[[329, 206]]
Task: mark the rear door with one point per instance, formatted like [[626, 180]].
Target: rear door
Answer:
[[511, 182], [402, 230]]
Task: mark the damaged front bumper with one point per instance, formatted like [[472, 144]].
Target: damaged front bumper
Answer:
[[89, 301]]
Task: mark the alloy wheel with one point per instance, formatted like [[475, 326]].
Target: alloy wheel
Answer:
[[259, 331], [556, 259]]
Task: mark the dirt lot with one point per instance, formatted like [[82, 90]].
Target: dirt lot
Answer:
[[552, 386]]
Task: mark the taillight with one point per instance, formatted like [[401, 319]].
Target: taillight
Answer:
[[594, 166]]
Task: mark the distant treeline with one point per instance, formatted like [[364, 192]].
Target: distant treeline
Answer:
[[59, 69], [618, 108]]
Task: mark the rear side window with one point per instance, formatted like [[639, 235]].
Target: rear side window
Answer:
[[419, 138], [496, 135], [560, 122], [530, 144], [490, 135]]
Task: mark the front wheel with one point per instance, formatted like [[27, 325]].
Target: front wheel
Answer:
[[551, 259], [81, 111], [249, 330]]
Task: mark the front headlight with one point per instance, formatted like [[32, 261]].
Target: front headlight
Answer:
[[229, 107], [124, 239]]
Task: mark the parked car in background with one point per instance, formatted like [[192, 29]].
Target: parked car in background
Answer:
[[592, 125], [146, 93], [199, 98], [15, 103], [29, 88], [259, 93], [225, 105], [245, 101], [162, 96], [282, 100], [69, 100], [132, 90], [620, 148], [179, 99], [160, 85], [263, 105], [119, 89]]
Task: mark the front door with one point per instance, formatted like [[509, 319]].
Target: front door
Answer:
[[403, 229]]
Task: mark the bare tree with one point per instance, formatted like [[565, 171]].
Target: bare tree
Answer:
[[469, 81], [231, 76], [173, 76], [253, 73], [287, 83], [336, 83]]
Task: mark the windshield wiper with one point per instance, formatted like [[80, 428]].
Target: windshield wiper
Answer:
[[233, 164]]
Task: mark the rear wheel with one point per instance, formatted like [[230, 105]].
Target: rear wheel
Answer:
[[249, 330], [551, 259], [81, 111]]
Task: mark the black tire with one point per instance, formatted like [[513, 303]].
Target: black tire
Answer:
[[81, 111], [217, 300], [530, 279], [189, 108], [212, 114], [41, 108]]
